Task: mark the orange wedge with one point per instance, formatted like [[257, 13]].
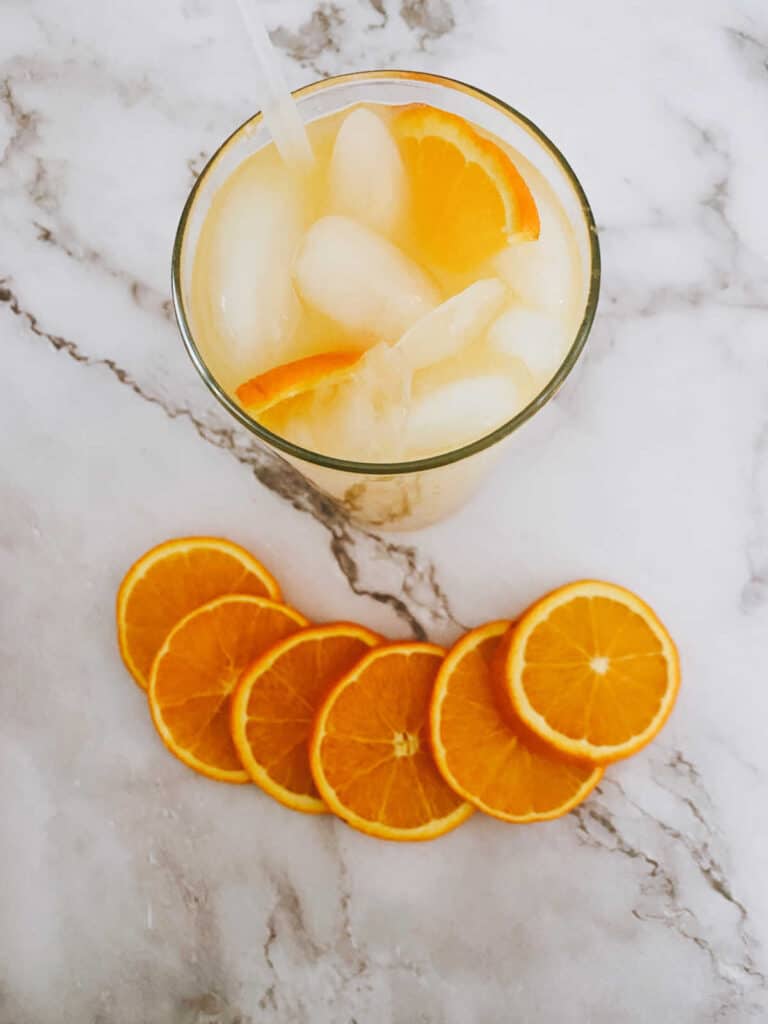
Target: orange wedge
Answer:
[[197, 669], [491, 758], [467, 197], [170, 581], [276, 702], [291, 379], [369, 751], [592, 670]]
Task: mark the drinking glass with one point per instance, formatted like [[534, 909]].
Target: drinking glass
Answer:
[[396, 495]]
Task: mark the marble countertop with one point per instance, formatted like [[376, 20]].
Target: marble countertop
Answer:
[[132, 890]]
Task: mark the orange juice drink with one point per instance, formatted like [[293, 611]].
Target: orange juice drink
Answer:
[[407, 296]]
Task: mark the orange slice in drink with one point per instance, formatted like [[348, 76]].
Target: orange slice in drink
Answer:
[[276, 702], [370, 753], [467, 197], [291, 379], [489, 757], [172, 580], [196, 671], [592, 670]]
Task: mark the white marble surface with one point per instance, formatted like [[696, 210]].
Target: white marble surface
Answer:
[[133, 891]]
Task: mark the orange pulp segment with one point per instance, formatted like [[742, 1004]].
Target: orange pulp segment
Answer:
[[173, 579], [491, 758], [592, 670], [370, 753], [467, 197], [197, 669], [276, 702]]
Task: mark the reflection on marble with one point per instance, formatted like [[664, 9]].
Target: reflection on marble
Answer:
[[131, 890]]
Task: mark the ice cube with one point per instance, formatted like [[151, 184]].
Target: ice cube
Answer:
[[460, 412], [545, 272], [539, 339], [366, 177], [361, 281], [372, 407], [454, 324], [361, 417], [246, 275]]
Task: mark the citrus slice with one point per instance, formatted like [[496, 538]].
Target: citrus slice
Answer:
[[467, 197], [276, 702], [197, 669], [489, 757], [592, 670], [170, 581], [291, 379], [370, 753]]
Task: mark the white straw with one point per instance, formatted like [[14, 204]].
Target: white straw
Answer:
[[277, 105]]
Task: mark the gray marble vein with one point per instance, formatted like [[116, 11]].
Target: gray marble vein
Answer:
[[416, 596], [732, 957]]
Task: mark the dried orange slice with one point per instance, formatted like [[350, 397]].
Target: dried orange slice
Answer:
[[489, 757], [197, 669], [291, 379], [276, 702], [170, 581], [467, 197], [592, 670], [369, 751]]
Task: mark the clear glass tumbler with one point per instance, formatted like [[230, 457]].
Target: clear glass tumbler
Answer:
[[395, 495]]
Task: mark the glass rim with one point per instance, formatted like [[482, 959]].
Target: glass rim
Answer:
[[549, 390]]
